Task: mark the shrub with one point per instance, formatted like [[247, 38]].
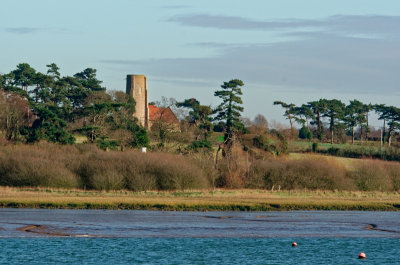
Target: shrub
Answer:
[[314, 147], [106, 144], [36, 166], [139, 136], [261, 142], [199, 144], [372, 175], [333, 151], [394, 175], [304, 133], [87, 167], [298, 174]]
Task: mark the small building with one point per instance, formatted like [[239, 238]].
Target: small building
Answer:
[[162, 115]]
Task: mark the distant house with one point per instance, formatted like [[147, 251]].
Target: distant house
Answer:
[[163, 115], [148, 115]]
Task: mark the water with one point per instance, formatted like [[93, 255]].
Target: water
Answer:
[[152, 237]]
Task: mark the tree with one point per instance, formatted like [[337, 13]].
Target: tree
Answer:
[[289, 108], [13, 118], [304, 133], [49, 127], [367, 108], [393, 117], [160, 126], [354, 115], [24, 76], [198, 116], [303, 114], [98, 109], [383, 114], [318, 108], [53, 70], [87, 78], [335, 112], [229, 111], [260, 122], [2, 82]]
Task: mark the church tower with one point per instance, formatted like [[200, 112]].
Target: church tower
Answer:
[[136, 87]]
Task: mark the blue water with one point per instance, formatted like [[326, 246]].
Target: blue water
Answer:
[[198, 251], [40, 236]]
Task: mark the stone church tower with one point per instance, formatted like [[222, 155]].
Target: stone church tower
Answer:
[[136, 87]]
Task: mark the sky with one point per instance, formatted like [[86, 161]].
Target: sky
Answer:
[[289, 50]]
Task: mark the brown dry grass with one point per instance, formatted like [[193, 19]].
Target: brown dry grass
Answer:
[[200, 199]]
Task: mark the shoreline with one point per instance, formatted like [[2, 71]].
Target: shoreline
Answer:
[[199, 200]]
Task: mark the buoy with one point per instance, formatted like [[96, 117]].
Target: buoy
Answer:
[[362, 255], [294, 244]]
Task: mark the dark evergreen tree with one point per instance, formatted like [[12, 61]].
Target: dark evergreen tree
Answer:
[[335, 110], [318, 108], [229, 111]]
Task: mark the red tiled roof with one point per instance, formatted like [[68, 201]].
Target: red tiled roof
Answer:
[[165, 114]]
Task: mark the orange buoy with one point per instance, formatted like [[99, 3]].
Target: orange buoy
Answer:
[[362, 255], [294, 244]]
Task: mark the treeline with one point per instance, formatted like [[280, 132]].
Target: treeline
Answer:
[[340, 118], [38, 106]]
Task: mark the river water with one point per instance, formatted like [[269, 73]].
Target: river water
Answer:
[[43, 236]]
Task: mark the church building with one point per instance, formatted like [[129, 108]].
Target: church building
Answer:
[[148, 115]]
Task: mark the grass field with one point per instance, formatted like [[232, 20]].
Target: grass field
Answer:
[[199, 200], [348, 163]]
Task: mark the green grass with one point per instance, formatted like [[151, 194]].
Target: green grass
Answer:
[[219, 138], [348, 163]]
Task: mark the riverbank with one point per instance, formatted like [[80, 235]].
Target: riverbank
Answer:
[[199, 200]]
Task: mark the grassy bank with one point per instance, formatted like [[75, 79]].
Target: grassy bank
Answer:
[[199, 200], [358, 150]]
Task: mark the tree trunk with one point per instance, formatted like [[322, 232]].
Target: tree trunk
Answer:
[[216, 156], [366, 130], [319, 126], [352, 138], [332, 125], [384, 130]]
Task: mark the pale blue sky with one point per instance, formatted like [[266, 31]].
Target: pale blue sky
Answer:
[[295, 51]]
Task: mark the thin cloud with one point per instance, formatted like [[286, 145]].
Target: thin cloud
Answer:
[[23, 30], [175, 6], [237, 23], [32, 30], [339, 24]]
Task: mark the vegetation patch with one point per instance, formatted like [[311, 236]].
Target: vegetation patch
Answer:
[[200, 200]]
